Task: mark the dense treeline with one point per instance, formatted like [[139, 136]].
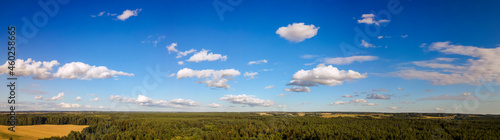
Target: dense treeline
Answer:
[[133, 126]]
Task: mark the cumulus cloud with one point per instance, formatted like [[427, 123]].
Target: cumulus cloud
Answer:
[[269, 87], [78, 98], [250, 75], [82, 71], [128, 13], [184, 53], [59, 96], [214, 78], [146, 101], [171, 47], [392, 108], [180, 63], [439, 109], [370, 104], [347, 96], [459, 97], [247, 100], [74, 106], [399, 88], [376, 96], [39, 97], [281, 106], [302, 83], [367, 45], [214, 105], [370, 19], [263, 61], [349, 60], [358, 101], [298, 89], [484, 66], [94, 99], [325, 75], [297, 32], [339, 103], [203, 55], [37, 69]]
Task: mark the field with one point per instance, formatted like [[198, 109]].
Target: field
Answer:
[[38, 131], [255, 125]]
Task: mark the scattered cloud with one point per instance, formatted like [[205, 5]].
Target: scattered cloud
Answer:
[[325, 75], [30, 67], [339, 103], [247, 100], [298, 89], [59, 96], [348, 60], [263, 61], [297, 32], [281, 106], [128, 13], [358, 101], [146, 101], [399, 88], [269, 87], [459, 97], [439, 109], [347, 96], [78, 98], [180, 63], [308, 56], [370, 19], [482, 67], [427, 90], [82, 71], [214, 78], [214, 105], [301, 83], [95, 99], [370, 104], [377, 96], [404, 36], [367, 45], [203, 55], [154, 39], [250, 75], [183, 102], [393, 108], [39, 97]]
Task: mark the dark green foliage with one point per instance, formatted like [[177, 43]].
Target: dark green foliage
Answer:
[[133, 126]]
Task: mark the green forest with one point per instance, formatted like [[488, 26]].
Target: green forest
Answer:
[[277, 125]]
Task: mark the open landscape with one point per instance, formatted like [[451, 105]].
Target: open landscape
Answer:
[[253, 125]]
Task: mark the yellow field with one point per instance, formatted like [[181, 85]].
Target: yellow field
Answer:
[[30, 132], [447, 117], [376, 116]]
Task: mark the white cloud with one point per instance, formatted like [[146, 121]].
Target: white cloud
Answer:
[[263, 61], [247, 100], [370, 19], [298, 89], [326, 75], [297, 32], [39, 97], [37, 69], [78, 98], [69, 105], [367, 45], [171, 48], [184, 53], [95, 99], [404, 36], [171, 75], [392, 107], [308, 56], [371, 104], [214, 105], [184, 102], [269, 87], [82, 71], [484, 66], [180, 63], [59, 96], [347, 96], [400, 88], [459, 97], [281, 106], [302, 83], [439, 109], [146, 101], [250, 75], [358, 101], [203, 55], [214, 78], [376, 96], [349, 60], [340, 103], [128, 13], [380, 37]]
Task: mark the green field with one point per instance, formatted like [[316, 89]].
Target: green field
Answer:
[[269, 125]]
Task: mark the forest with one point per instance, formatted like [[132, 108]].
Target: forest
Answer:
[[270, 125]]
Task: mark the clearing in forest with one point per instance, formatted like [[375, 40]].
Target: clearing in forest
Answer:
[[38, 131]]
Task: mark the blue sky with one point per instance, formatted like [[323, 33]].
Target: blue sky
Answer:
[[426, 56]]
